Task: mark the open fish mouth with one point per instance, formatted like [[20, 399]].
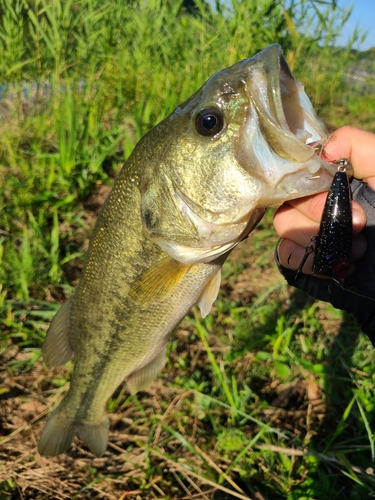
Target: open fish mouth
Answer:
[[286, 116], [281, 129], [253, 151]]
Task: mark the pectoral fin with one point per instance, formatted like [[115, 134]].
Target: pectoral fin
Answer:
[[159, 281], [142, 378], [209, 294], [56, 348]]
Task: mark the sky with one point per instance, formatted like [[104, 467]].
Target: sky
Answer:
[[364, 15]]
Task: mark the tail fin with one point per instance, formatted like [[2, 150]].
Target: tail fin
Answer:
[[59, 432], [95, 436]]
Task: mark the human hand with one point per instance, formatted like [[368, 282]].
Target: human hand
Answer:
[[298, 220]]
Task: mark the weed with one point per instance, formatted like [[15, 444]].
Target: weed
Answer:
[[270, 396]]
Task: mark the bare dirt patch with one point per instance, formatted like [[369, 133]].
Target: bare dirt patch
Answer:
[[147, 457]]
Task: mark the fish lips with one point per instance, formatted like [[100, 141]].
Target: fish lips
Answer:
[[280, 126], [285, 113]]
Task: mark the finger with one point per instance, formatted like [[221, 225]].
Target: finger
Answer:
[[358, 146], [291, 254], [292, 224], [298, 220], [311, 206]]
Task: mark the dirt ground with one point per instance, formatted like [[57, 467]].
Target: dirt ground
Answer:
[[142, 461], [137, 463]]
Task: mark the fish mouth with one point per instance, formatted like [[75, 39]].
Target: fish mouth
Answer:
[[282, 127], [286, 116]]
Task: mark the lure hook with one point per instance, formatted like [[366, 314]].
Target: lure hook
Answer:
[[309, 250]]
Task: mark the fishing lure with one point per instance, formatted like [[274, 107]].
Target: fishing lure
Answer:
[[333, 244]]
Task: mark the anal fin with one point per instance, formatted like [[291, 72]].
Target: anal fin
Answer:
[[140, 379], [56, 348]]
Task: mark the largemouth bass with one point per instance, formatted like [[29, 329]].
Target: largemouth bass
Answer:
[[192, 189]]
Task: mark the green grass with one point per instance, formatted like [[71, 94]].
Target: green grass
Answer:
[[271, 394]]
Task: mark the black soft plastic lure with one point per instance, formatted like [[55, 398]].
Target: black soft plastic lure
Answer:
[[333, 244]]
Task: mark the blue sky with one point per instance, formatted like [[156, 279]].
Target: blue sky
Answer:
[[364, 15]]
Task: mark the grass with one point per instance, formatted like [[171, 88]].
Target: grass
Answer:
[[270, 396]]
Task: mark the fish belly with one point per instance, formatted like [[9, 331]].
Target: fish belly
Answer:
[[130, 344]]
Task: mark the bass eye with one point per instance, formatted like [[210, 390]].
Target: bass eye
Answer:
[[209, 122]]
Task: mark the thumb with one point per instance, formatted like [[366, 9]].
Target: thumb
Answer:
[[358, 146]]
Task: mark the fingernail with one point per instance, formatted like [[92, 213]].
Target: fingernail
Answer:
[[358, 216]]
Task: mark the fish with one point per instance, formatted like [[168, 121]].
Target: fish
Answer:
[[194, 187]]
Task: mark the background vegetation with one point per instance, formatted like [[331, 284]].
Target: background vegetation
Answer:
[[271, 396]]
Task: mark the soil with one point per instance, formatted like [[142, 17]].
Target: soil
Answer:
[[142, 461]]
